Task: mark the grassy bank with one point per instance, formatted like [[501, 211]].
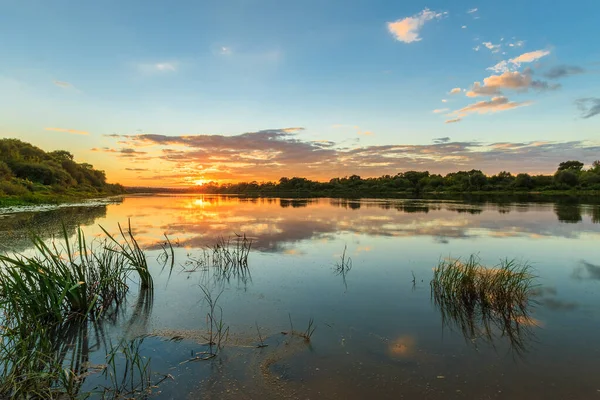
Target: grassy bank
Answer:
[[51, 198]]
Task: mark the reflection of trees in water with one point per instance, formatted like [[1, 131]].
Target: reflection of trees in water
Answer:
[[569, 213], [295, 203], [15, 229]]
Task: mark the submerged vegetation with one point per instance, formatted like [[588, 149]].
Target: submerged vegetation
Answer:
[[28, 174], [485, 302]]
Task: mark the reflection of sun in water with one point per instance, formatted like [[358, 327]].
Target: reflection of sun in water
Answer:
[[402, 346]]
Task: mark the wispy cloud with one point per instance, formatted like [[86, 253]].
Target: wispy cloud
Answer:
[[529, 57], [407, 29], [64, 85], [72, 131], [515, 63], [464, 27], [560, 71], [494, 48], [440, 140], [472, 10], [440, 110], [157, 68], [496, 104], [589, 106], [451, 121], [456, 90], [444, 101], [520, 81], [272, 153], [123, 153]]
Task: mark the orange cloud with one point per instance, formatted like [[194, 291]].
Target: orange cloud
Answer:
[[407, 29], [498, 103], [515, 80], [73, 131], [529, 57]]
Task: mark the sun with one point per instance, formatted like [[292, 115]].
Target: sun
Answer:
[[199, 182]]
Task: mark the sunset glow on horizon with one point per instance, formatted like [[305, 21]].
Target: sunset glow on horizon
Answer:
[[158, 95]]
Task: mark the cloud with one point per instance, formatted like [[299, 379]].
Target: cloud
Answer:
[[123, 153], [561, 71], [464, 27], [366, 133], [529, 57], [73, 131], [494, 48], [589, 106], [273, 153], [456, 90], [64, 85], [496, 104], [472, 10], [440, 140], [476, 48], [407, 30], [518, 43], [226, 51], [451, 121], [136, 169], [157, 68], [514, 63], [440, 110], [444, 101], [520, 81]]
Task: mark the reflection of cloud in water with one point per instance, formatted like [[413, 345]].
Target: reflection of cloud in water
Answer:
[[199, 222], [587, 271], [403, 346], [546, 296]]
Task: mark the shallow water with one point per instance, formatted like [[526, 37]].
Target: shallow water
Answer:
[[378, 335]]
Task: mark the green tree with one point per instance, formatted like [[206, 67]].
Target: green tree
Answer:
[[570, 165]]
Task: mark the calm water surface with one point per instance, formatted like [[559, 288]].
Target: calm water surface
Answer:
[[378, 335]]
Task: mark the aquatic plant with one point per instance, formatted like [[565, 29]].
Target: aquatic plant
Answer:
[[51, 304], [262, 342], [132, 252], [217, 332], [484, 301], [344, 264], [127, 371], [307, 334], [59, 283]]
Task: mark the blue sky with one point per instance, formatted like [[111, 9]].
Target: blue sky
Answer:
[[358, 74]]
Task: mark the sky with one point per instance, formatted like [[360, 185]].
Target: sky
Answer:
[[161, 93]]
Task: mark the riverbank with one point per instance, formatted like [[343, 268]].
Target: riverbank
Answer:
[[33, 199]]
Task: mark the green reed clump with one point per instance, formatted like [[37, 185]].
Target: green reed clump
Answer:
[[51, 302], [481, 301], [508, 285], [61, 282], [131, 250]]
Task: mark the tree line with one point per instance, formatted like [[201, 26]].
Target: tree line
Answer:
[[26, 170], [570, 175]]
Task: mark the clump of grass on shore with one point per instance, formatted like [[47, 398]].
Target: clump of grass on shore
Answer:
[[480, 300]]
